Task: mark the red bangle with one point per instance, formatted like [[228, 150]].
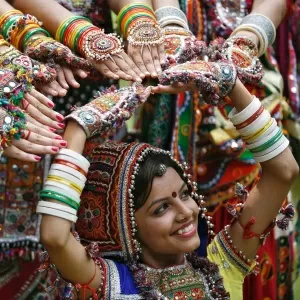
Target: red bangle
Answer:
[[251, 119], [71, 165]]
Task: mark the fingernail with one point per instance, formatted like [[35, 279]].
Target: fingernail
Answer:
[[60, 118], [154, 74], [58, 137], [55, 149], [138, 80], [128, 78], [54, 93], [38, 158], [52, 129], [61, 125], [50, 104], [64, 144]]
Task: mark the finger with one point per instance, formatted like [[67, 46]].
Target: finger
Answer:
[[56, 86], [44, 132], [32, 148], [40, 117], [161, 53], [116, 70], [80, 73], [42, 108], [46, 89], [147, 58], [70, 78], [38, 124], [125, 67], [40, 97], [155, 58], [103, 69], [138, 60], [13, 152], [171, 89], [38, 139], [61, 79], [138, 75]]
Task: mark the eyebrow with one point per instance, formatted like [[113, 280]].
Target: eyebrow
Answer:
[[165, 198]]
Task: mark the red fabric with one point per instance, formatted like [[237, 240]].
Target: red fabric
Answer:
[[13, 287]]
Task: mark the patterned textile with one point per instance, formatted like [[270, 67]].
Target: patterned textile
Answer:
[[100, 219]]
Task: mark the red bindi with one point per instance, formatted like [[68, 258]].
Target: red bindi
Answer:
[[174, 194]]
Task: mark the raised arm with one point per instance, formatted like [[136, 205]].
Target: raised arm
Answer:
[[111, 61], [278, 173]]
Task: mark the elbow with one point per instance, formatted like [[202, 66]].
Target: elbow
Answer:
[[51, 238], [288, 173]]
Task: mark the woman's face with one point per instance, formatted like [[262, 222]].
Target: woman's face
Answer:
[[167, 222]]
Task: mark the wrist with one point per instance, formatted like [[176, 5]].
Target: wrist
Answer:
[[75, 136], [240, 96], [250, 35]]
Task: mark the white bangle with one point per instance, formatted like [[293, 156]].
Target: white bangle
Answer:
[[64, 175], [69, 170], [274, 153], [271, 148], [256, 124], [73, 161], [74, 195], [239, 117], [267, 132], [58, 206], [265, 139], [170, 11], [56, 213], [77, 156], [166, 21]]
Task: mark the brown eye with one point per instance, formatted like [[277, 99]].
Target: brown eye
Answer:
[[161, 209]]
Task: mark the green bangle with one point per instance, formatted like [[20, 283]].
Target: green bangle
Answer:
[[269, 143], [67, 24], [8, 23], [32, 32], [59, 197], [137, 5], [129, 20]]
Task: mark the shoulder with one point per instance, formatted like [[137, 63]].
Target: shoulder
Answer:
[[118, 281]]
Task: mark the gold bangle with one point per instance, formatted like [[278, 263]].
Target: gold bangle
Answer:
[[66, 182]]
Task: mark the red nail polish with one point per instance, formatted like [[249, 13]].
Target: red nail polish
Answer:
[[50, 104], [38, 158], [64, 144], [58, 137], [55, 149], [52, 129], [60, 118], [61, 125]]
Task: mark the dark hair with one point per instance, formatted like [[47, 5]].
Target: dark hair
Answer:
[[149, 169]]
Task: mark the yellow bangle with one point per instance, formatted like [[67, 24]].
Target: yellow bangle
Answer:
[[66, 182], [259, 132]]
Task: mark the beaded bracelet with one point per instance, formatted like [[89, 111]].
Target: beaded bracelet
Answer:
[[138, 23]]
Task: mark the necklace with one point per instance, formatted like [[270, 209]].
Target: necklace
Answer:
[[178, 283]]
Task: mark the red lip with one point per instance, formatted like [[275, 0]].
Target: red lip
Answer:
[[183, 226]]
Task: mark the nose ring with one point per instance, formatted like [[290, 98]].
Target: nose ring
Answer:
[[182, 217]]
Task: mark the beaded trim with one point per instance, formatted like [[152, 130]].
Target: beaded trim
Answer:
[[145, 34], [235, 256]]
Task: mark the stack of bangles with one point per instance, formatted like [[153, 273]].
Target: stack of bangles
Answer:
[[262, 27], [88, 40], [65, 182], [169, 15], [18, 28], [259, 131], [137, 23]]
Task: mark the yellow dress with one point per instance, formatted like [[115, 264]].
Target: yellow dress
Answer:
[[233, 267]]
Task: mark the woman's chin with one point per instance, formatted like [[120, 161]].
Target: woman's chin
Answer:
[[191, 244]]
